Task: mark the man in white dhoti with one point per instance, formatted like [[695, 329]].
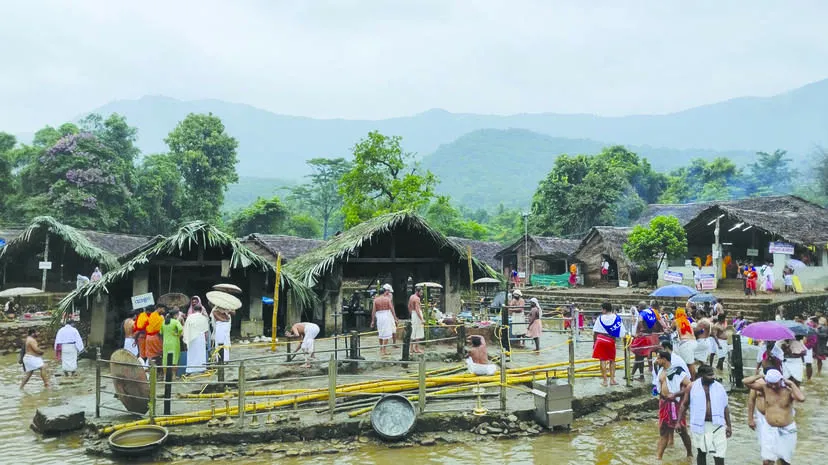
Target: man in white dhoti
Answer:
[[778, 436], [308, 333], [710, 425], [195, 332], [478, 359], [32, 360], [223, 319], [384, 318], [68, 344]]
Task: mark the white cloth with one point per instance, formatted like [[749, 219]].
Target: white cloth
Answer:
[[686, 349], [480, 369], [776, 352], [674, 385], [130, 345], [385, 325], [417, 327], [793, 368], [32, 362], [69, 335], [698, 405], [761, 425], [778, 442], [197, 355], [609, 320], [311, 331], [69, 358], [196, 325], [518, 323], [223, 338], [711, 440], [702, 350], [809, 356], [722, 349], [675, 361]]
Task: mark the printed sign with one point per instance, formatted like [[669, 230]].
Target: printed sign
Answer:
[[752, 252], [44, 265], [522, 275], [622, 283], [781, 247], [673, 276], [142, 300], [708, 281]]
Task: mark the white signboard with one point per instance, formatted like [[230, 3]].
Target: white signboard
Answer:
[[708, 281], [752, 252], [44, 265], [522, 274], [673, 276], [142, 300], [781, 247], [688, 263], [622, 283]]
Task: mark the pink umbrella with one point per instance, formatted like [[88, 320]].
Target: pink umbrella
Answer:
[[767, 331]]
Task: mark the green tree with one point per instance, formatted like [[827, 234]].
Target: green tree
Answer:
[[702, 180], [7, 181], [445, 218], [321, 195], [646, 183], [159, 195], [771, 174], [381, 180], [265, 216], [206, 158], [649, 246], [304, 225]]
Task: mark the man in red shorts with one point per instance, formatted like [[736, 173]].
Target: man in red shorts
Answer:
[[674, 382]]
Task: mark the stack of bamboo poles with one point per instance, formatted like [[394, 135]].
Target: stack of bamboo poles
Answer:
[[434, 379]]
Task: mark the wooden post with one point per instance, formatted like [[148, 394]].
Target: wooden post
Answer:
[[276, 283], [355, 346], [736, 362], [168, 373], [332, 385], [570, 373], [45, 259], [406, 348], [627, 372], [504, 327], [473, 298], [153, 384], [220, 371], [502, 382], [421, 397], [461, 341], [241, 384], [97, 382], [288, 357]]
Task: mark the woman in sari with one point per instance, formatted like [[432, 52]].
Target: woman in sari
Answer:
[[171, 331], [535, 326], [195, 336]]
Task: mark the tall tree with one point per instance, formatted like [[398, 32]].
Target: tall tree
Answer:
[[448, 220], [266, 216], [771, 174], [160, 195], [321, 195], [649, 246], [382, 180], [718, 179], [9, 187], [206, 157]]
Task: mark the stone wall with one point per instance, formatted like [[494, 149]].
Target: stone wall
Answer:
[[12, 334]]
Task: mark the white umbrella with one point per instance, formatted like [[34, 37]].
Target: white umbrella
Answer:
[[223, 300], [429, 284], [795, 264], [16, 291]]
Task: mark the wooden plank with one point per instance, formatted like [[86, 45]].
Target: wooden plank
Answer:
[[395, 260]]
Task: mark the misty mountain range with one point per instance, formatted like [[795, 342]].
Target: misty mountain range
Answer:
[[492, 152]]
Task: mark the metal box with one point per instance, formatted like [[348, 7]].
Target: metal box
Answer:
[[553, 403]]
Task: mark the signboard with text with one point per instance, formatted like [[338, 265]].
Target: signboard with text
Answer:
[[752, 252], [142, 300], [673, 276], [781, 247], [44, 265], [708, 281]]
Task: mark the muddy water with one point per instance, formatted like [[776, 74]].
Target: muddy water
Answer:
[[624, 443]]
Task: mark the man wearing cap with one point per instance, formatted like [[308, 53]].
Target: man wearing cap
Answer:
[[384, 318], [778, 438], [518, 321], [68, 344], [709, 416]]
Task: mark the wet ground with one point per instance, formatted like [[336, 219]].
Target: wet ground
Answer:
[[623, 442]]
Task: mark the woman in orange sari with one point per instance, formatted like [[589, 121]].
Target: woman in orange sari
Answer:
[[154, 345], [140, 332]]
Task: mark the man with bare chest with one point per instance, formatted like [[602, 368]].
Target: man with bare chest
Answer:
[[719, 346], [778, 436], [130, 345], [33, 360]]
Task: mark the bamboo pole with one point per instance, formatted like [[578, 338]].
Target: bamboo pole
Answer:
[[276, 283]]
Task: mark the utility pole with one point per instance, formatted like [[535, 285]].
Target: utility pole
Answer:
[[526, 246]]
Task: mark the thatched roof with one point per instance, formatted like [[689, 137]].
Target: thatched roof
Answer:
[[310, 267], [551, 247], [685, 212], [115, 243], [7, 234], [185, 239], [80, 241], [270, 245], [481, 250], [788, 218], [612, 240]]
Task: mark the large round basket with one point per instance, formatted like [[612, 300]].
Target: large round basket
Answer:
[[129, 378], [393, 417], [138, 440]]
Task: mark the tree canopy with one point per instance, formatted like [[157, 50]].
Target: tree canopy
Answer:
[[649, 246]]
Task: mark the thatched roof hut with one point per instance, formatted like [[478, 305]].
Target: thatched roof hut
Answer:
[[604, 242], [685, 212], [484, 251], [548, 255], [270, 245]]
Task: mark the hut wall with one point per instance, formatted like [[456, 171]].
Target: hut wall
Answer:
[[98, 330]]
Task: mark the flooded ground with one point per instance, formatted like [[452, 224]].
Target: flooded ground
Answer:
[[617, 443]]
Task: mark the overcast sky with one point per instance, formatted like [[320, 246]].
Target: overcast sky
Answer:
[[376, 59]]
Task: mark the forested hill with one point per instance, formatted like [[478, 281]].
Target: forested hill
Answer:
[[274, 145], [490, 166]]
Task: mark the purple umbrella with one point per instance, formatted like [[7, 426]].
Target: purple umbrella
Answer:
[[767, 331]]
